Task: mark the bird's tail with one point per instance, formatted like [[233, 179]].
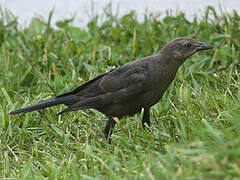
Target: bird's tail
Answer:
[[67, 100]]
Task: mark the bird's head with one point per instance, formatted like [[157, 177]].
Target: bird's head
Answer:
[[182, 48]]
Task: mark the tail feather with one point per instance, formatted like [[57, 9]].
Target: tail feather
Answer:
[[68, 100], [91, 102]]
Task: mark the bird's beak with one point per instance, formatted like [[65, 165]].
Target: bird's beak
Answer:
[[202, 46]]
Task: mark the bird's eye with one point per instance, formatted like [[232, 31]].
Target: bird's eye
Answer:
[[187, 45]]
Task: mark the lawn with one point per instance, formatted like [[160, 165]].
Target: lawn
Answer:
[[195, 132]]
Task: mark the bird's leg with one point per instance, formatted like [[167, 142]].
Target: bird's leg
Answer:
[[109, 128], [146, 117]]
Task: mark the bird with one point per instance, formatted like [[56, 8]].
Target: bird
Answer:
[[126, 90]]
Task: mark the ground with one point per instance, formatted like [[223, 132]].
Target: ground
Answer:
[[195, 127]]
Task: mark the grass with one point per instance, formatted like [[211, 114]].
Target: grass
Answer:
[[195, 131]]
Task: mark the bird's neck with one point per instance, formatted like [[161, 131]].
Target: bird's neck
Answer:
[[171, 58]]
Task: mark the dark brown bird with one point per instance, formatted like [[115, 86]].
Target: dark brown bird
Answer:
[[126, 90]]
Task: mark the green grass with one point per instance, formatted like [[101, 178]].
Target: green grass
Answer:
[[195, 131]]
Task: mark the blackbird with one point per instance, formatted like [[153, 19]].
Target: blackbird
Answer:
[[124, 91]]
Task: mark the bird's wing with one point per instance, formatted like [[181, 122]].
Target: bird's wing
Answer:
[[84, 85], [116, 87]]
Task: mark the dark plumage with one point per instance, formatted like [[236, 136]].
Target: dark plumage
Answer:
[[126, 90]]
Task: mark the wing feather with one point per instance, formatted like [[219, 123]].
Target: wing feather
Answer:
[[130, 83]]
